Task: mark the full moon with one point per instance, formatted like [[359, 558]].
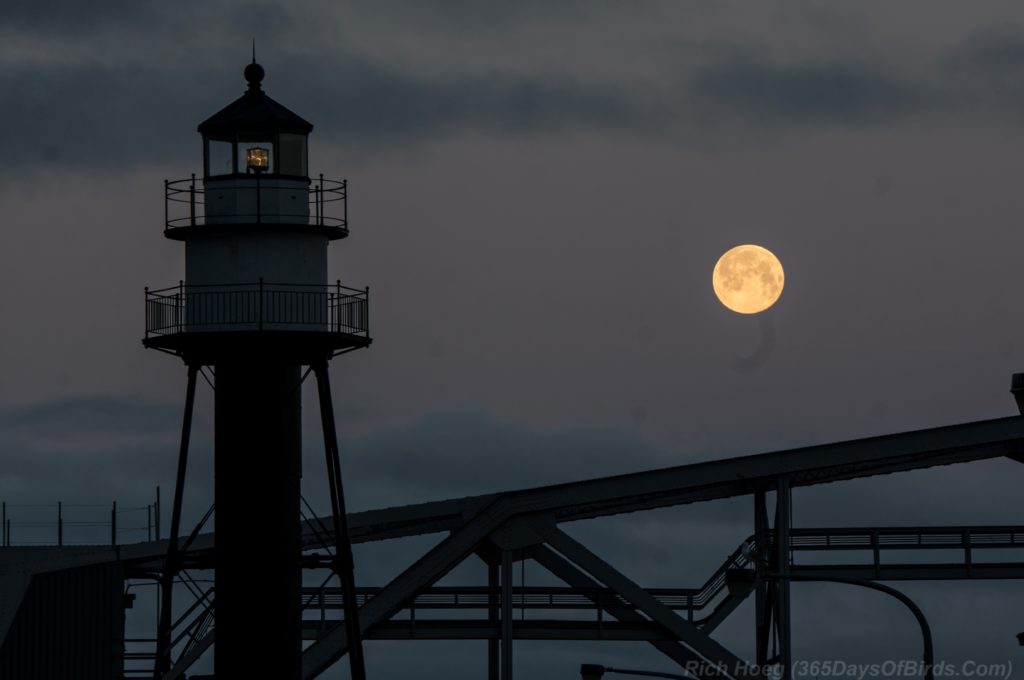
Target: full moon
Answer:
[[748, 279]]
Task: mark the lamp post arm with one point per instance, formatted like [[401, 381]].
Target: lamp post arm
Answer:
[[650, 674], [589, 670], [926, 631]]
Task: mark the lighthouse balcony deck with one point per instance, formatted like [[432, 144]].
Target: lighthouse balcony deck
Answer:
[[319, 205], [210, 319]]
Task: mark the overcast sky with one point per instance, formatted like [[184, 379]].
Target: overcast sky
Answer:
[[538, 194]]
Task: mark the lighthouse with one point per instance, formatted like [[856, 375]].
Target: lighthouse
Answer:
[[254, 310]]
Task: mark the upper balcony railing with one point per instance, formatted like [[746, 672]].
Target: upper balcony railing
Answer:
[[257, 199], [259, 306]]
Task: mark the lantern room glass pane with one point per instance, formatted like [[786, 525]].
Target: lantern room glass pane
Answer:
[[293, 155], [243, 154], [220, 157]]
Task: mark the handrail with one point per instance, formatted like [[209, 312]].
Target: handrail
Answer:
[[200, 286], [471, 597], [100, 526], [185, 203], [257, 306], [739, 559], [906, 538]]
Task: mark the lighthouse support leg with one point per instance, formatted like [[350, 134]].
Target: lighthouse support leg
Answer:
[[171, 561], [344, 565]]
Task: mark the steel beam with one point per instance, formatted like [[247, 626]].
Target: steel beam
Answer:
[[913, 572], [507, 576], [762, 600], [783, 515], [718, 658], [494, 619], [189, 658], [717, 479], [685, 484], [702, 481], [529, 629], [343, 566], [172, 560], [573, 576], [441, 559]]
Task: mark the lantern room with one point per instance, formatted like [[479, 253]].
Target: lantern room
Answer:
[[255, 173], [254, 135]]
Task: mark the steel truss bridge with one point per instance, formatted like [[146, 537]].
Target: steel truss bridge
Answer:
[[597, 602]]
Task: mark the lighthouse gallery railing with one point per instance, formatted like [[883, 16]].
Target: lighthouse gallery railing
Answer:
[[185, 204], [257, 306]]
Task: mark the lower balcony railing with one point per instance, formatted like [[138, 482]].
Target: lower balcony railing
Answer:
[[256, 307]]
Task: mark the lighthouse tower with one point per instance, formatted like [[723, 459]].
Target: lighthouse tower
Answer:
[[256, 307]]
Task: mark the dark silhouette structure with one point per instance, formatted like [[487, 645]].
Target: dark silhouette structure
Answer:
[[597, 602], [255, 306]]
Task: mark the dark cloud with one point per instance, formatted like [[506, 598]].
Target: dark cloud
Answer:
[[459, 16], [96, 115], [988, 68], [87, 446], [367, 99], [80, 416], [461, 454], [758, 90], [74, 18], [983, 73], [88, 452], [77, 21], [100, 113], [994, 50], [78, 448]]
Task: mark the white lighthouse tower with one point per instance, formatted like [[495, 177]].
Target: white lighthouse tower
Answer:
[[256, 306]]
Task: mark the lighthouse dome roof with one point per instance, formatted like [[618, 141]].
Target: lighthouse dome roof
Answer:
[[254, 113]]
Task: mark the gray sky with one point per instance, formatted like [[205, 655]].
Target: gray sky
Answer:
[[538, 194]]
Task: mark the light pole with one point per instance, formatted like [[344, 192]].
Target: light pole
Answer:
[[926, 631]]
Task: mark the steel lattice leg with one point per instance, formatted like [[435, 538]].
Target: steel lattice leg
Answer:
[[344, 566], [163, 638]]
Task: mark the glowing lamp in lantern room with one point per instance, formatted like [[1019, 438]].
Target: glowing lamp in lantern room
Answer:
[[257, 159]]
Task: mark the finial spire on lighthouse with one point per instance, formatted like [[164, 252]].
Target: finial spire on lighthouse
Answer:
[[254, 72], [254, 75]]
